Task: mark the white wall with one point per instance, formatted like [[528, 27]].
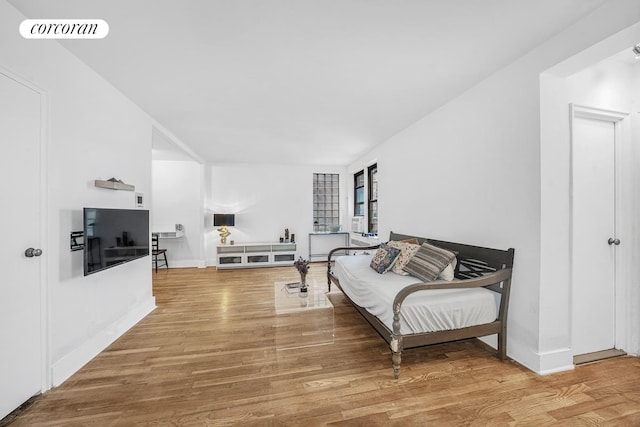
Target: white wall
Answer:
[[177, 198], [94, 133], [470, 172], [265, 199], [603, 85]]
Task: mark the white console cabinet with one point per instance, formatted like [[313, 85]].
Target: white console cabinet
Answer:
[[255, 255]]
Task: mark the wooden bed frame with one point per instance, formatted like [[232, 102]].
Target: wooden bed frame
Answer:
[[476, 267]]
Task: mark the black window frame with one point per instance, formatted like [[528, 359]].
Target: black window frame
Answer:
[[372, 199], [358, 207]]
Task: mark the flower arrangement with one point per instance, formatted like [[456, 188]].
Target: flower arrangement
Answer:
[[302, 265]]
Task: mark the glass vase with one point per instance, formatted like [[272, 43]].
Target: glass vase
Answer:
[[303, 282]]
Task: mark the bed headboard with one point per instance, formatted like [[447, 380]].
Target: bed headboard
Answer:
[[473, 261]]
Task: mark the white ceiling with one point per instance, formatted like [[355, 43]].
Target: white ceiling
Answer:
[[302, 81]]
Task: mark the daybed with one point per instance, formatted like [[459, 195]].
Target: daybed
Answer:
[[408, 312]]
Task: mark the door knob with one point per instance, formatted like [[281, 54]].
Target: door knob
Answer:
[[30, 253], [613, 241]]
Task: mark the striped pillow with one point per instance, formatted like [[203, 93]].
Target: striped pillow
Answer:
[[429, 262]]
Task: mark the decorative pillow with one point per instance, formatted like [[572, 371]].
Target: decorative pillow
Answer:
[[449, 272], [429, 262], [413, 241], [384, 258], [408, 250]]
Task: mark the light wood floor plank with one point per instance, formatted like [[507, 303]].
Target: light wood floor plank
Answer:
[[215, 353]]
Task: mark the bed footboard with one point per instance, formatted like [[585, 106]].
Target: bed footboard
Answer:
[[499, 278]]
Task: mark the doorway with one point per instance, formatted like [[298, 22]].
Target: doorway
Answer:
[[595, 241], [22, 302]]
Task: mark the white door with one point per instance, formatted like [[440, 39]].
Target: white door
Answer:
[[593, 253], [20, 292]]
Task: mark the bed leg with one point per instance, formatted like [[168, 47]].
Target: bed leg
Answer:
[[502, 346], [396, 358], [396, 354]]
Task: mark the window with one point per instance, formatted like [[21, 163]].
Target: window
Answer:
[[372, 172], [326, 201], [366, 197], [358, 207]]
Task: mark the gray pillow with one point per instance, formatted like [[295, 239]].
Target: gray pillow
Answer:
[[429, 262]]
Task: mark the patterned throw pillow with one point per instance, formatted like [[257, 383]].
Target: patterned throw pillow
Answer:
[[384, 258], [408, 250], [411, 240], [428, 262]]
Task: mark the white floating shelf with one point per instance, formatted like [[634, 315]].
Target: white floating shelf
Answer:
[[114, 185], [169, 234]]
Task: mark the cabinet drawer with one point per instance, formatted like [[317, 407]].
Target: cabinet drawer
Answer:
[[257, 259], [284, 257], [285, 247], [230, 260], [230, 249], [260, 248]]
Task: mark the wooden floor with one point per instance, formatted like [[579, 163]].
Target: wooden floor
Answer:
[[214, 353]]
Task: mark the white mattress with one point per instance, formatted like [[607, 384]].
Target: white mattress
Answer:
[[424, 311]]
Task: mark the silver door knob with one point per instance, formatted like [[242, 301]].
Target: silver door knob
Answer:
[[613, 241], [30, 253]]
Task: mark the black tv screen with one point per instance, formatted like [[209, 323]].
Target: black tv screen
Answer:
[[113, 237]]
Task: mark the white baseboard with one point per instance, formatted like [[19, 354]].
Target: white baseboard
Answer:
[[62, 369], [523, 354], [185, 263], [542, 363], [556, 370], [559, 360]]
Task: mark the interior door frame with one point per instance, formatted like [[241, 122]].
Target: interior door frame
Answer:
[[620, 121], [45, 363]]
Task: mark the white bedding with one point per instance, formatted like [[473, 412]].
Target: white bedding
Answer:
[[424, 311]]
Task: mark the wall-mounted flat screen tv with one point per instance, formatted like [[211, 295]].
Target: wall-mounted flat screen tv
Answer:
[[113, 237]]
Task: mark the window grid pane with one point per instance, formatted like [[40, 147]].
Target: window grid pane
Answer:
[[326, 196]]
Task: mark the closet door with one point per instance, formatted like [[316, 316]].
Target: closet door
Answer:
[[594, 239], [21, 369]]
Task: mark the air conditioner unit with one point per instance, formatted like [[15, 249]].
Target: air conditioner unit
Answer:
[[357, 224]]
